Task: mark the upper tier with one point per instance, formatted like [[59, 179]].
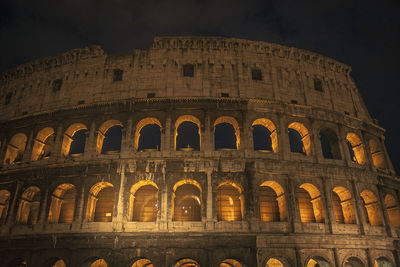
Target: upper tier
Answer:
[[181, 67]]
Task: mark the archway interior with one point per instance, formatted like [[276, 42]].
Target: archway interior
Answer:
[[296, 144], [142, 263], [104, 205], [17, 263], [329, 144], [145, 204], [273, 262], [382, 262], [262, 138], [62, 204], [269, 207], [150, 138], [188, 137], [4, 202], [230, 263], [343, 205], [112, 140], [229, 203], [353, 262], [187, 203], [225, 137], [187, 263], [371, 208], [15, 149], [28, 210], [78, 142], [310, 203], [393, 210]]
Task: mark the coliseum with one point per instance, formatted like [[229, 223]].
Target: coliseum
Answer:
[[201, 151]]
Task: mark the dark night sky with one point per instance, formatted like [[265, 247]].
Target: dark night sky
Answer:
[[362, 34]]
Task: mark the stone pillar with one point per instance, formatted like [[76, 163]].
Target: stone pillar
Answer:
[[316, 151], [166, 145], [55, 152], [3, 149], [164, 203], [385, 216], [246, 134], [13, 208], [367, 151], [283, 138], [328, 209], [343, 146], [208, 137], [28, 148], [209, 210], [293, 210], [121, 193], [388, 162], [79, 205], [44, 207], [359, 213], [90, 144]]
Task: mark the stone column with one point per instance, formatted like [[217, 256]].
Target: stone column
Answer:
[[385, 216], [283, 137], [56, 149], [367, 151], [209, 211], [359, 213], [246, 134], [208, 137], [329, 213], [166, 145], [44, 207], [11, 215], [79, 205], [293, 211], [164, 203], [121, 193], [90, 144], [28, 148], [316, 150]]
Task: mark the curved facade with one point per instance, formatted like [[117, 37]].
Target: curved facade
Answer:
[[197, 152]]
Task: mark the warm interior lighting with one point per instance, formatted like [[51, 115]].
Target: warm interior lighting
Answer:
[[378, 158], [143, 202], [62, 204], [230, 202], [187, 263], [69, 137], [4, 202], [187, 201], [142, 263], [393, 210], [28, 210], [15, 149], [371, 208], [100, 202], [310, 203], [43, 144], [343, 205], [272, 202], [101, 134], [304, 135], [356, 147], [99, 263], [272, 262], [273, 135], [230, 263]]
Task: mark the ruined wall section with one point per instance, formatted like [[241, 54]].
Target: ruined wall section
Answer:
[[222, 68]]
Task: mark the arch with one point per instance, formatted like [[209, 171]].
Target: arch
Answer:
[[304, 137], [356, 148], [15, 149], [181, 139], [371, 208], [231, 121], [329, 144], [70, 139], [382, 262], [378, 158], [393, 210], [272, 202], [186, 201], [271, 135], [317, 262], [277, 262], [142, 263], [62, 204], [187, 262], [230, 202], [97, 262], [102, 135], [55, 262], [310, 203], [43, 144], [343, 205], [28, 209], [140, 125], [4, 203], [143, 202], [353, 262], [19, 262], [230, 263], [100, 202]]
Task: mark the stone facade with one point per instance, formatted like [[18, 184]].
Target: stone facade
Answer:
[[209, 82]]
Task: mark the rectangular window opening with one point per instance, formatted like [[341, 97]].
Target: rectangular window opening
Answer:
[[151, 95], [118, 73], [256, 75], [224, 95], [318, 85], [57, 85]]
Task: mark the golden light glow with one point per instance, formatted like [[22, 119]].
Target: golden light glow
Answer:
[[28, 210], [142, 263], [62, 204], [272, 262], [99, 263], [357, 146], [232, 121], [272, 202], [69, 133], [371, 208], [15, 149], [100, 202], [140, 125], [377, 154], [393, 210], [182, 119], [305, 136], [102, 131], [186, 200], [310, 203], [4, 201], [230, 263], [343, 205], [39, 142], [143, 202], [271, 127], [59, 263], [230, 202], [187, 263]]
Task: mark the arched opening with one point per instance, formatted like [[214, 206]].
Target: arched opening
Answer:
[[28, 210], [382, 262], [62, 204], [15, 149], [55, 262], [148, 135], [143, 202], [274, 262], [230, 202], [329, 144], [371, 208], [43, 144], [100, 203], [393, 210], [318, 262], [109, 137], [186, 200], [17, 263], [74, 140], [187, 133], [356, 148], [353, 262], [230, 263], [299, 138], [226, 134], [343, 205], [4, 203], [187, 263], [142, 263], [310, 204], [265, 137], [377, 154], [272, 202], [95, 263]]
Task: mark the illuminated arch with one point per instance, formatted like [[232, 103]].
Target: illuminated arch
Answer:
[[62, 204], [371, 208], [304, 134], [143, 202], [230, 263], [68, 137], [378, 158], [142, 263], [393, 210], [230, 202], [187, 263], [186, 201], [232, 121], [268, 124], [42, 144], [353, 262], [310, 203], [4, 203], [139, 126], [17, 263], [186, 118], [55, 262], [101, 134], [317, 262], [100, 202], [15, 149], [356, 148], [95, 263], [343, 205], [329, 144], [382, 262], [276, 262], [28, 210], [272, 202]]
